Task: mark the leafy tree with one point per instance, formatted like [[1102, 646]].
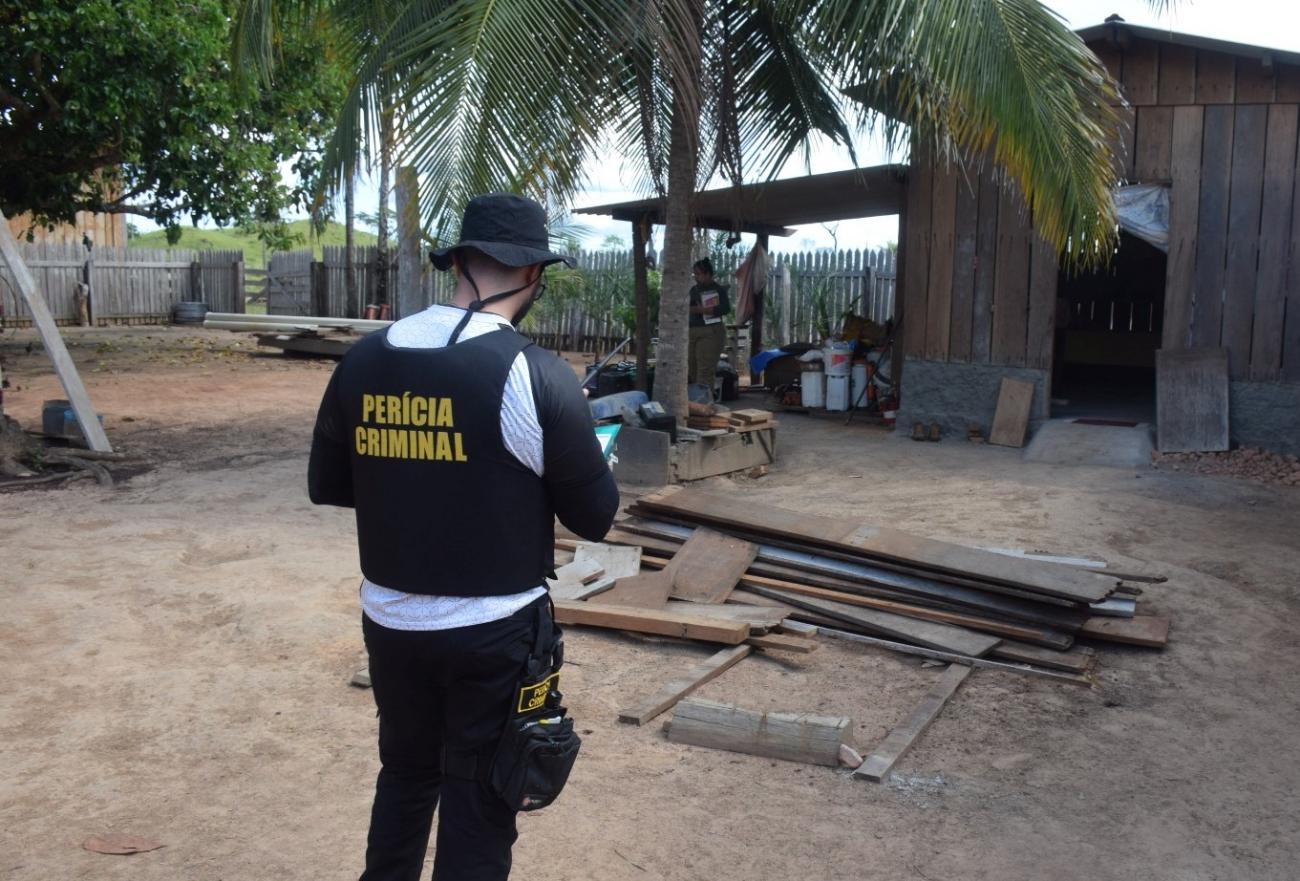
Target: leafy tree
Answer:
[[127, 106], [516, 94]]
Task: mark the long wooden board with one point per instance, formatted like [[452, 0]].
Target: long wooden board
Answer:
[[1150, 631], [793, 737], [674, 690], [944, 637], [718, 510], [657, 621], [1077, 660], [1040, 635], [708, 566], [618, 561], [1011, 418], [649, 590], [1192, 400], [64, 367], [900, 740], [868, 579]]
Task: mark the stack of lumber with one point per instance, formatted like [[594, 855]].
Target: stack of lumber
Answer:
[[878, 582], [730, 420]]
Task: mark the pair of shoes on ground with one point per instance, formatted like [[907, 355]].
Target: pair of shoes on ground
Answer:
[[919, 432]]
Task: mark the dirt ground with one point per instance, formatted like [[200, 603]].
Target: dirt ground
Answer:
[[175, 653]]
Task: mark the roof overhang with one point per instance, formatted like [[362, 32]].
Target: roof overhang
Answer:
[[774, 206], [1121, 32]]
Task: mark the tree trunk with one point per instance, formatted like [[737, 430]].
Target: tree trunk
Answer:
[[407, 299], [385, 172], [351, 304], [674, 290], [641, 286]]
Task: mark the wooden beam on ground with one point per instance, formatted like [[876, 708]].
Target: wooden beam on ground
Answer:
[[64, 368], [760, 617], [793, 737], [944, 637], [673, 691], [900, 740], [657, 621], [708, 566], [1077, 660], [649, 590], [800, 645], [731, 513], [954, 658], [572, 590], [1151, 631], [1000, 628], [618, 561]]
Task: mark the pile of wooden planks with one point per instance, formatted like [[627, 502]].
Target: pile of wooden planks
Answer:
[[713, 567], [724, 421], [880, 582]]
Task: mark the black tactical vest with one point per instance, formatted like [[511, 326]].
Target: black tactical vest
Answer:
[[442, 506]]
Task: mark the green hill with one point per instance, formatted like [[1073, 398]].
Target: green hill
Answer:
[[254, 252]]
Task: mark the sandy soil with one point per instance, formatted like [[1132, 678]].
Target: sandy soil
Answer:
[[175, 653]]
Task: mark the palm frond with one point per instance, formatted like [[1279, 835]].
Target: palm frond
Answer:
[[1006, 78]]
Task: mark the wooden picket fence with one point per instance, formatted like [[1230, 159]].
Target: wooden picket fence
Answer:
[[127, 285], [591, 309]]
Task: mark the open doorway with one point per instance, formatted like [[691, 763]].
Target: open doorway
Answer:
[[1108, 326]]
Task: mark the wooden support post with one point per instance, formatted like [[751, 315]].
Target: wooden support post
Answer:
[[89, 281], [900, 740], [196, 281], [320, 289], [49, 333], [407, 300], [237, 287], [756, 324], [794, 737], [641, 287]]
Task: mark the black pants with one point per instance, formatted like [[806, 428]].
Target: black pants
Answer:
[[442, 690]]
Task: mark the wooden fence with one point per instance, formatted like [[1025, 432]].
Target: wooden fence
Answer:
[[127, 285], [591, 308]]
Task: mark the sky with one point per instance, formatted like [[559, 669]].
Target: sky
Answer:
[[1273, 23]]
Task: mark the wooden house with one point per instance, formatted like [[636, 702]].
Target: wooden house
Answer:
[[982, 298]]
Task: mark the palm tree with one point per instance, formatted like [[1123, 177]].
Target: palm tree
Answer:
[[516, 94]]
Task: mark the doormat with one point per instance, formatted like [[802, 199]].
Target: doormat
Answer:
[[1117, 423]]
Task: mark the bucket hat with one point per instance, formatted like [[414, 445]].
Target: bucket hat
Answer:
[[508, 228]]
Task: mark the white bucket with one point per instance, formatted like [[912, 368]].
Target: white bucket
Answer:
[[812, 388], [858, 386], [837, 393], [837, 358]]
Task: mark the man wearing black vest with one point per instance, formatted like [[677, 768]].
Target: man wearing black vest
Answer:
[[458, 442]]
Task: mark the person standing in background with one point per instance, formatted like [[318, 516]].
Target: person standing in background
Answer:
[[709, 305]]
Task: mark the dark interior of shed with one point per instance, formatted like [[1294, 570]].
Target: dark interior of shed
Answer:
[[1108, 326]]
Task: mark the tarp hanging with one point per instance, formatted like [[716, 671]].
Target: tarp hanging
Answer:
[[1143, 211], [751, 279]]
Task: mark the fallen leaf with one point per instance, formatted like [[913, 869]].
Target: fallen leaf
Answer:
[[119, 843]]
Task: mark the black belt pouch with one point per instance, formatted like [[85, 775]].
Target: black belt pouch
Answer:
[[538, 745]]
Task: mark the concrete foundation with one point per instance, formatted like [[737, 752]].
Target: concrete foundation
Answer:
[[1265, 415], [961, 396]]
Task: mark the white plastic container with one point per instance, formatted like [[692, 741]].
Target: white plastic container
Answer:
[[837, 393], [858, 385], [812, 388], [837, 358]]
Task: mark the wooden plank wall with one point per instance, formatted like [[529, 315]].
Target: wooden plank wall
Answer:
[[1222, 132], [979, 278]]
